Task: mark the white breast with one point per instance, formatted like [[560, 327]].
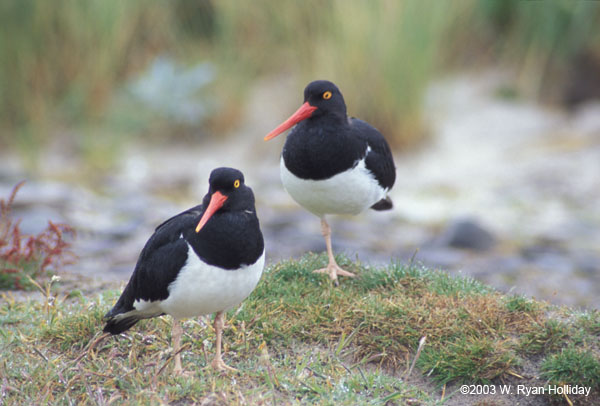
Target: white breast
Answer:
[[204, 289], [349, 192]]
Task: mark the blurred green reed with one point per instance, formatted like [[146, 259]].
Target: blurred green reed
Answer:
[[542, 39], [63, 61]]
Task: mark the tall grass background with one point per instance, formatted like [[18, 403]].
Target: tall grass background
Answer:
[[65, 63]]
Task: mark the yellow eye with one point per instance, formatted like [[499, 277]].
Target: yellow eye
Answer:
[[236, 184], [327, 95]]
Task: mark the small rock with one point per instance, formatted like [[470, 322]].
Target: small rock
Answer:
[[583, 80], [467, 233]]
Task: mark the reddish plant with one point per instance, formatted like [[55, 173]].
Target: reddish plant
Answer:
[[32, 255]]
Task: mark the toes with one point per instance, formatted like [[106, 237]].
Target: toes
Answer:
[[181, 372], [334, 271], [341, 272], [219, 365]]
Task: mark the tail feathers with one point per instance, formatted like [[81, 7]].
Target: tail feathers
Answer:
[[120, 319], [116, 325], [383, 204]]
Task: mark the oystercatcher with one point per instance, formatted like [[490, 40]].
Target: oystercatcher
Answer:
[[205, 260], [332, 163]]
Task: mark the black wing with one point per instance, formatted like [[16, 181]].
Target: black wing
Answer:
[[379, 160], [163, 256]]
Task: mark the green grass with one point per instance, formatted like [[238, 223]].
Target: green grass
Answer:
[[590, 322], [573, 366], [297, 340], [518, 303], [549, 336]]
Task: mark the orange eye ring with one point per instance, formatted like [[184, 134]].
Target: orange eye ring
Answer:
[[236, 184], [327, 95]]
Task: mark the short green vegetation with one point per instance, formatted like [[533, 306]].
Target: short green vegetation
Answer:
[[300, 340], [573, 366]]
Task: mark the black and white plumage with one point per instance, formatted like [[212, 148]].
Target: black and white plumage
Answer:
[[332, 163], [205, 260]]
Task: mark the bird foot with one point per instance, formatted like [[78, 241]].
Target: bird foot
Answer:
[[220, 365], [180, 372], [334, 270]]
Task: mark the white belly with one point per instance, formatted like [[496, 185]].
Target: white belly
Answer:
[[349, 192], [204, 289]]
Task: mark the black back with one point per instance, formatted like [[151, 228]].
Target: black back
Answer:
[[328, 142], [379, 160], [229, 240]]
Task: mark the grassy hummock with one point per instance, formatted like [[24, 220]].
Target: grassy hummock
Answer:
[[300, 340]]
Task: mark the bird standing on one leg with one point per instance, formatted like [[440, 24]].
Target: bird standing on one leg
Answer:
[[205, 260], [333, 164]]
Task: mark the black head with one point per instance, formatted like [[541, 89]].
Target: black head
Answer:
[[321, 99], [224, 179], [226, 192], [326, 97]]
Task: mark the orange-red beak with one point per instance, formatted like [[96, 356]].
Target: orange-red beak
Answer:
[[216, 202], [304, 112]]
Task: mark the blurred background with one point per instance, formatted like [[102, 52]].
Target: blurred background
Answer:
[[115, 112]]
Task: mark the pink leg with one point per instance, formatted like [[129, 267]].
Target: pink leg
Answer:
[[176, 334], [217, 362], [333, 269]]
